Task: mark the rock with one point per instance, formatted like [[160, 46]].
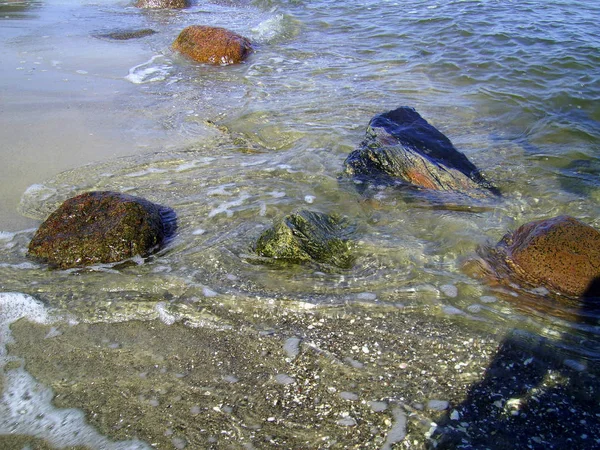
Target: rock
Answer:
[[124, 35], [101, 227], [560, 254], [308, 236], [212, 45], [402, 148], [164, 4]]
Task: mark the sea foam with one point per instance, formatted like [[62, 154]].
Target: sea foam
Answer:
[[26, 405], [148, 71]]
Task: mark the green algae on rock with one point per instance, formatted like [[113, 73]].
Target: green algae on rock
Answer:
[[212, 45], [101, 227], [309, 236], [561, 254]]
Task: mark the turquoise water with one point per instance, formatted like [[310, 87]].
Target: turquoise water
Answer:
[[514, 85]]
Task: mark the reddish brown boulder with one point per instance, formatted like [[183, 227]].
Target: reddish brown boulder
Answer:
[[561, 254], [212, 45], [101, 227], [158, 4]]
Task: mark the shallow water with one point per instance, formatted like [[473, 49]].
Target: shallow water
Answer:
[[203, 345]]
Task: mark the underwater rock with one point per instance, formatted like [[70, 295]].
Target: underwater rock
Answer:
[[212, 45], [101, 227], [124, 35], [158, 4], [308, 236], [402, 148], [561, 254]]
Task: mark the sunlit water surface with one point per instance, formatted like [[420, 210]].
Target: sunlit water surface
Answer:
[[514, 85]]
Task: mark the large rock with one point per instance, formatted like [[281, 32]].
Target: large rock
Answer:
[[308, 236], [402, 148], [163, 4], [560, 254], [101, 227], [212, 45]]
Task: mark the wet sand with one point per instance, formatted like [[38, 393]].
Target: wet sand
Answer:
[[65, 103]]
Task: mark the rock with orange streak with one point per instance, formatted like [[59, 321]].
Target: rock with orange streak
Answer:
[[403, 149]]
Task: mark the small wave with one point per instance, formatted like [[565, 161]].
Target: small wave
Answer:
[[6, 236], [276, 28], [26, 406], [148, 72]]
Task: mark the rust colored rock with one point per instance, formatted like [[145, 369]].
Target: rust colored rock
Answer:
[[101, 227], [212, 45], [561, 254], [164, 4]]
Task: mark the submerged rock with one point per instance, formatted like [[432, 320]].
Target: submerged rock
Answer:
[[308, 236], [561, 254], [124, 35], [212, 45], [402, 148], [166, 4], [101, 227]]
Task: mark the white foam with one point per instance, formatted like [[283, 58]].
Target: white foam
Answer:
[[224, 207], [147, 73], [26, 409], [220, 190], [164, 316], [14, 306], [277, 194], [255, 163], [39, 191], [6, 236], [186, 166], [269, 29], [142, 173], [26, 405]]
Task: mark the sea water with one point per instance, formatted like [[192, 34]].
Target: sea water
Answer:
[[202, 345]]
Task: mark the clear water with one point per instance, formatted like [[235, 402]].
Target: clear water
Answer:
[[514, 85]]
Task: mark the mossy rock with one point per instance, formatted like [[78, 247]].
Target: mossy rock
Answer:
[[101, 227], [212, 45], [309, 236]]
